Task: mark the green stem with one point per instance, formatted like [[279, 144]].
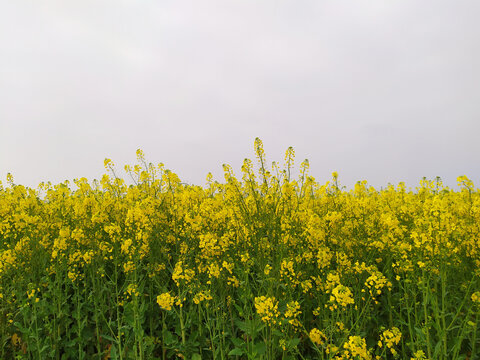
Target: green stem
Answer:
[[425, 297], [474, 340], [117, 306], [182, 326]]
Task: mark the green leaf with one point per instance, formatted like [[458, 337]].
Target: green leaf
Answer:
[[238, 342], [236, 351], [260, 348], [169, 338], [242, 326], [109, 338], [239, 309], [438, 349], [20, 327], [293, 342], [196, 357], [277, 332], [113, 352]]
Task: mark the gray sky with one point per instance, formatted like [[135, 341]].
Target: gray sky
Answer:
[[385, 91]]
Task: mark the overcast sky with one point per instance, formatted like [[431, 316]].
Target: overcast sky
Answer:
[[386, 91]]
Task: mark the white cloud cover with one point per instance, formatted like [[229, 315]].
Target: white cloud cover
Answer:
[[382, 91]]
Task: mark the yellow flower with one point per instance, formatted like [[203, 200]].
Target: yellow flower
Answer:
[[342, 295], [202, 296], [356, 346], [267, 269], [267, 309], [419, 355], [476, 297], [317, 336], [391, 338], [245, 257], [132, 290], [107, 163], [129, 266], [292, 313], [165, 301], [182, 273]]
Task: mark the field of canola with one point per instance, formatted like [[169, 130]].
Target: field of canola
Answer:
[[261, 266]]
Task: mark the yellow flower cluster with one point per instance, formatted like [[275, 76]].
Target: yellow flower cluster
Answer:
[[375, 283], [287, 273], [317, 336], [202, 296], [267, 309], [476, 297], [267, 269], [326, 256], [390, 338], [356, 348], [166, 301], [292, 313], [132, 290], [182, 273], [341, 295], [419, 355]]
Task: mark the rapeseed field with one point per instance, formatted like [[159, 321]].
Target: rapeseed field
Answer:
[[261, 266]]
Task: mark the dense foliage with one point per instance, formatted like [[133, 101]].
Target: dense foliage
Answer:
[[266, 267]]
